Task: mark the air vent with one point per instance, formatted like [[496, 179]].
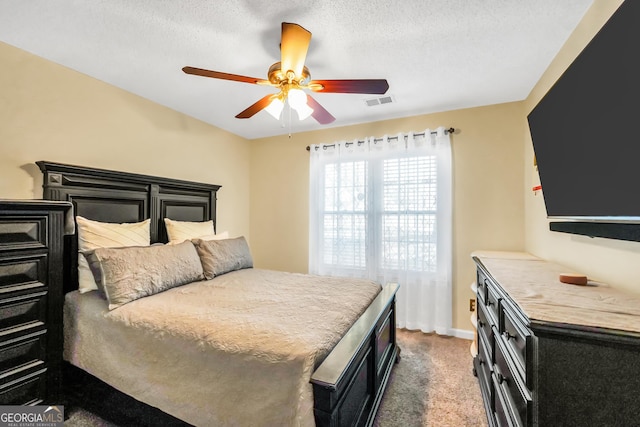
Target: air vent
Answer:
[[387, 99]]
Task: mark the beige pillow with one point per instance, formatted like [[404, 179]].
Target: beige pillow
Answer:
[[129, 273], [222, 256], [179, 231], [94, 234], [219, 236]]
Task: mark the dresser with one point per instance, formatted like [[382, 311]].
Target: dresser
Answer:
[[554, 354], [31, 248]]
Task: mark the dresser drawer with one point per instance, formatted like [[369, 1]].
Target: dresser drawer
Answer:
[[485, 363], [517, 338], [24, 352], [481, 283], [22, 272], [22, 312], [501, 414], [492, 304], [28, 390], [516, 396], [484, 324], [20, 232]]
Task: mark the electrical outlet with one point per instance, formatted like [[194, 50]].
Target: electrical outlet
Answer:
[[472, 305]]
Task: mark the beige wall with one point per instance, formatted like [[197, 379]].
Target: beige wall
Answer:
[[48, 112], [488, 182], [611, 261]]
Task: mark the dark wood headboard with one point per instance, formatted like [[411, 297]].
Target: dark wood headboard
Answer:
[[112, 196]]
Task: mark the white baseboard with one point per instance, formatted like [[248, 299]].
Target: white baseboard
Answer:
[[463, 333]]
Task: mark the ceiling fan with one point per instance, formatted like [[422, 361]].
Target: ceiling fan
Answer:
[[291, 77]]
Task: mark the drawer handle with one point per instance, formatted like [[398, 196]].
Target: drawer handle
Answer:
[[490, 303], [508, 336], [481, 323], [480, 361], [501, 379]]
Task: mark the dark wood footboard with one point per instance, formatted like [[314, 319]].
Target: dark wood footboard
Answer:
[[349, 384]]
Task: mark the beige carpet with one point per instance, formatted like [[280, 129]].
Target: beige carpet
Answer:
[[433, 385]]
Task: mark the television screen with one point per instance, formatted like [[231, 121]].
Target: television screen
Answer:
[[586, 146]]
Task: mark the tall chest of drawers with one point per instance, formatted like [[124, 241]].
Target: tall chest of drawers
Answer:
[[553, 354], [31, 256]]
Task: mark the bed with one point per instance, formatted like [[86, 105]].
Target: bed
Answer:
[[341, 385]]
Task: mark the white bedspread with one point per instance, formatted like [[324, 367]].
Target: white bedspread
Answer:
[[237, 350]]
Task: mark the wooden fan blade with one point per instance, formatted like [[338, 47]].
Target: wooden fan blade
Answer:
[[293, 47], [224, 76], [258, 106], [373, 86], [321, 115]]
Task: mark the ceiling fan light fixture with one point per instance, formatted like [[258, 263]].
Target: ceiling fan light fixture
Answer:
[[304, 111], [275, 108], [291, 76], [298, 101], [297, 98]]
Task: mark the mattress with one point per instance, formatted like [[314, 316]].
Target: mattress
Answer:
[[236, 350]]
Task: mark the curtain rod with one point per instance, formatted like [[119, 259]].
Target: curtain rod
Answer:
[[450, 130]]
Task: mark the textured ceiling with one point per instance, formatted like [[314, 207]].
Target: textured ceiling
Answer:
[[437, 55]]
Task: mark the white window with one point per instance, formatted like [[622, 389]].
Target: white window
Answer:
[[345, 214], [401, 219], [381, 209], [408, 211]]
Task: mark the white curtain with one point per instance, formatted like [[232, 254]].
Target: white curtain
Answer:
[[381, 208]]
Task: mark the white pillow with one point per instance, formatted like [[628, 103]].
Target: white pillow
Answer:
[[220, 236], [179, 231], [94, 234]]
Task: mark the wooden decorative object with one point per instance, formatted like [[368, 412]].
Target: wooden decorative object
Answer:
[[573, 278]]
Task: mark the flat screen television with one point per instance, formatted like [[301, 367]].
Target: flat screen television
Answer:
[[584, 137]]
